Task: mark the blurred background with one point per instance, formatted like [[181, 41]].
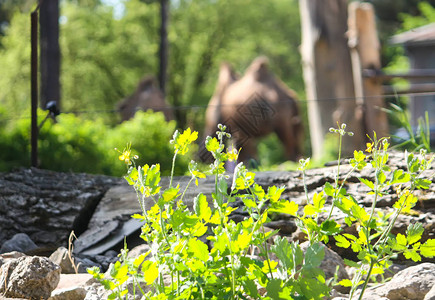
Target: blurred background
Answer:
[[107, 47]]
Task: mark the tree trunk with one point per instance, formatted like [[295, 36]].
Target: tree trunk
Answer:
[[365, 53], [163, 51], [327, 69], [50, 52]]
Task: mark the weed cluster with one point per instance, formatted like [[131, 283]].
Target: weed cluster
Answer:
[[202, 254]]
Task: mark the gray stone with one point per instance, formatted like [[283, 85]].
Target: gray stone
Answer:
[[431, 294], [20, 242], [411, 283], [29, 277], [73, 293], [138, 250], [52, 203], [64, 260]]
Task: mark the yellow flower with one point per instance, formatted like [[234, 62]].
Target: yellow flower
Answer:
[[183, 140], [125, 157], [369, 147], [233, 154]]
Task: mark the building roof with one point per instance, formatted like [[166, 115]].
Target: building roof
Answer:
[[424, 35]]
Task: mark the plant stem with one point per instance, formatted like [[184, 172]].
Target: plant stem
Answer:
[[305, 186], [372, 264], [173, 167], [187, 186], [336, 178]]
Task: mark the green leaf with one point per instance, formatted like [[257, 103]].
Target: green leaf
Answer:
[[258, 191], [412, 254], [243, 241], [399, 176], [428, 248], [406, 202], [274, 288], [341, 241], [119, 271], [310, 210], [381, 177], [401, 239], [198, 249], [329, 189], [330, 227], [319, 200], [345, 282], [285, 207], [249, 202], [351, 263], [139, 260], [314, 255], [274, 193], [368, 183], [414, 233], [170, 194], [421, 183], [289, 254], [150, 271], [201, 207], [251, 288], [360, 213]]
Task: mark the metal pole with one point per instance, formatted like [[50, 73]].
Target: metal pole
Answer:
[[34, 88]]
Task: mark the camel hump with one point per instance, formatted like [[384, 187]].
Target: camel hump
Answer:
[[227, 76], [259, 69], [146, 83]]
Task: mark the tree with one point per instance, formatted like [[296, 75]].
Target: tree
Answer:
[[50, 52]]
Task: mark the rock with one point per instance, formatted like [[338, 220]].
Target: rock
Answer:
[[67, 281], [63, 259], [10, 255], [431, 294], [138, 250], [29, 277], [20, 242], [53, 204], [411, 283], [73, 293]]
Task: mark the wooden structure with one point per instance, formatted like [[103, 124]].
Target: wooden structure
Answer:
[[419, 44], [326, 65], [337, 45]]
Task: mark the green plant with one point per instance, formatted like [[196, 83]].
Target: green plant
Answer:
[[417, 139], [375, 244], [202, 254]]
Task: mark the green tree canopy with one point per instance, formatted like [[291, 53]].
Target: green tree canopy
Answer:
[[103, 57]]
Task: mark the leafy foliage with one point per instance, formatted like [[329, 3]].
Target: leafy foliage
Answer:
[[208, 256], [74, 144]]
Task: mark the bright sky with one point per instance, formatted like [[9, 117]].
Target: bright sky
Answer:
[[118, 7]]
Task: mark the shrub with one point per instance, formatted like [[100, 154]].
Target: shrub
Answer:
[[238, 263], [79, 145]]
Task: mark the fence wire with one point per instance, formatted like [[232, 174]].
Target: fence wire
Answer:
[[204, 106]]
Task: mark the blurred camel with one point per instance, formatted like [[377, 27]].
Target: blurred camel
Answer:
[[255, 106], [147, 96]]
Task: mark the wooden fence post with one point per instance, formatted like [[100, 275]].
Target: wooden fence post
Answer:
[[326, 67], [365, 54]]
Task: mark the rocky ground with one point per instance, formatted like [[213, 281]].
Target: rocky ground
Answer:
[[39, 209]]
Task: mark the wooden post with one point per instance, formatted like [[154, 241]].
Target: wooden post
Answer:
[[34, 88], [327, 68], [365, 54]]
